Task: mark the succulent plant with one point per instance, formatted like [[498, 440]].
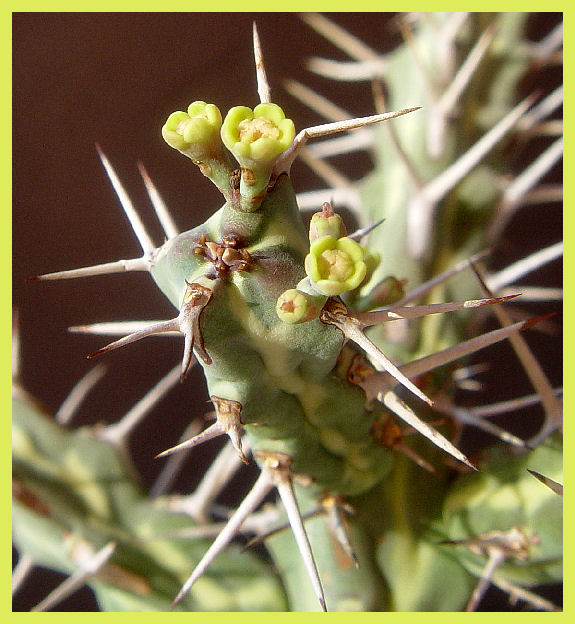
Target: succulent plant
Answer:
[[338, 349]]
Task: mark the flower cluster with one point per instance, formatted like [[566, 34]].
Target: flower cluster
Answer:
[[256, 138]]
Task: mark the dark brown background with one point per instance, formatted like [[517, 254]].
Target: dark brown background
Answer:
[[113, 79]]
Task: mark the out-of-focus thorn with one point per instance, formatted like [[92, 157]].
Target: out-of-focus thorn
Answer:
[[359, 234], [541, 110], [421, 209], [552, 406], [221, 470], [21, 572], [118, 328], [213, 431], [516, 592], [513, 195], [354, 47], [519, 269], [250, 503], [72, 402], [444, 107], [327, 172], [88, 568], [119, 432], [264, 90], [341, 197], [318, 103], [552, 485], [545, 51], [160, 207]]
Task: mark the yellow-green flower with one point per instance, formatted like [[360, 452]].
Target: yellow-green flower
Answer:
[[335, 265], [195, 133], [256, 138]]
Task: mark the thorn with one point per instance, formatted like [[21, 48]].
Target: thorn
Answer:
[[263, 85], [213, 431], [523, 267], [392, 313], [119, 266], [279, 476], [151, 330], [137, 226], [552, 485], [359, 234], [118, 432], [78, 393], [339, 528], [160, 208], [400, 409], [260, 489], [335, 313], [285, 161]]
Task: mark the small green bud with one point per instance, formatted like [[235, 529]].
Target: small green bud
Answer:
[[326, 223], [335, 265], [294, 306]]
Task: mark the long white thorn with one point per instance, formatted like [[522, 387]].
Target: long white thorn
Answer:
[[118, 328], [161, 327], [250, 503], [88, 569], [523, 267], [496, 558], [285, 489], [285, 161], [137, 226], [119, 266], [160, 207], [403, 411], [264, 90], [72, 402]]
